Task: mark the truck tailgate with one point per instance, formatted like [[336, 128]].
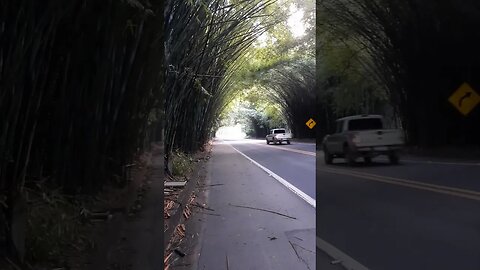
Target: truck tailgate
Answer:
[[284, 136], [384, 137]]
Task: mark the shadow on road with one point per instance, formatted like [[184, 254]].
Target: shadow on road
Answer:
[[361, 164]]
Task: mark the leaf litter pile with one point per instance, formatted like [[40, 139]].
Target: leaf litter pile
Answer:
[[171, 205]]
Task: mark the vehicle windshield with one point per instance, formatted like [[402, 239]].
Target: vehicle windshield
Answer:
[[277, 131], [365, 124]]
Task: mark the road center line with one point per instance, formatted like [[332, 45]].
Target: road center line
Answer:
[[295, 190], [458, 192]]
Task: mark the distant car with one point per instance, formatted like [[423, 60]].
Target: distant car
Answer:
[[362, 136], [278, 135]]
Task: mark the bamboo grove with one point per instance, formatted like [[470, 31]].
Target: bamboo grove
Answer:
[[420, 52], [292, 86], [204, 42], [80, 88]]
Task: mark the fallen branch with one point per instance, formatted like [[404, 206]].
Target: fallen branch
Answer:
[[208, 213], [304, 248], [300, 258], [201, 206], [212, 185], [291, 244], [265, 210]]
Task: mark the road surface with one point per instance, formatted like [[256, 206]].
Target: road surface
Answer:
[[421, 214], [258, 221], [294, 162]]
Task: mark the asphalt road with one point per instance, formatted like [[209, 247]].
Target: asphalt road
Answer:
[[421, 214], [294, 163], [256, 222]]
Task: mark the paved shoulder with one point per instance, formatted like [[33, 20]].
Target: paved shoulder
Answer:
[[258, 223]]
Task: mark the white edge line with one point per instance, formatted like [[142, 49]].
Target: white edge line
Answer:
[[293, 150], [295, 190], [345, 260]]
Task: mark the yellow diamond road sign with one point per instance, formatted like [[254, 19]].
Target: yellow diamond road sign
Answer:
[[464, 99], [310, 123]]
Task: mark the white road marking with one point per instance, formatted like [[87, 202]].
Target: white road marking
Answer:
[[295, 190], [345, 260], [291, 150]]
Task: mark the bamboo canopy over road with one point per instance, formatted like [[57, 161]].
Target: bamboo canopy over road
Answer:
[[204, 41], [420, 51]]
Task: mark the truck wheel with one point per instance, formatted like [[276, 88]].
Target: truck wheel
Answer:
[[349, 157], [268, 141], [327, 156], [393, 157], [288, 142]]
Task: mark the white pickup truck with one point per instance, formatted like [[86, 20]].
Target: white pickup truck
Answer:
[[362, 136], [278, 135]]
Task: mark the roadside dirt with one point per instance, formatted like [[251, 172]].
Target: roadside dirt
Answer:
[[120, 205], [183, 226]]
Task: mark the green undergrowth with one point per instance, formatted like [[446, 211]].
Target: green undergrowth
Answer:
[[56, 226], [182, 164]]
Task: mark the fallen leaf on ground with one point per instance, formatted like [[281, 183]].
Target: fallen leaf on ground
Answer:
[[180, 230], [165, 260], [186, 212]]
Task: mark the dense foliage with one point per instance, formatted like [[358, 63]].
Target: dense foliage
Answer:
[[415, 53], [80, 89], [279, 75], [204, 42]]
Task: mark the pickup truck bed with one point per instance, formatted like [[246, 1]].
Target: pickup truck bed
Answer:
[[362, 136], [277, 136]]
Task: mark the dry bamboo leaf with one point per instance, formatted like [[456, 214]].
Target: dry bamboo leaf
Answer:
[[186, 212], [180, 230], [165, 260], [170, 205]]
